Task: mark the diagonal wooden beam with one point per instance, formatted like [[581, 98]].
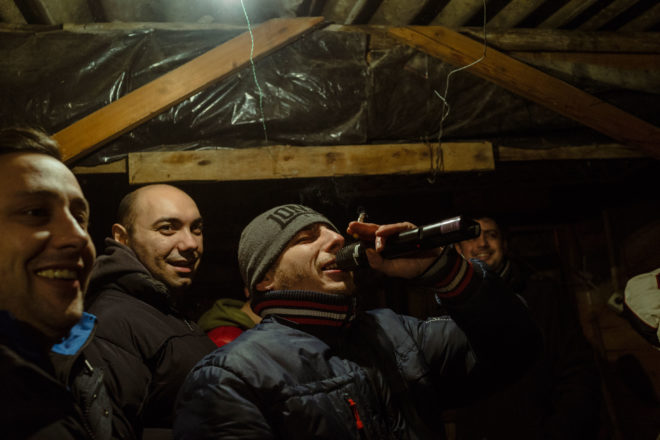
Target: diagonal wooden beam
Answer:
[[136, 107], [532, 84]]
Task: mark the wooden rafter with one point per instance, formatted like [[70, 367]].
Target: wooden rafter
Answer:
[[142, 104], [532, 84]]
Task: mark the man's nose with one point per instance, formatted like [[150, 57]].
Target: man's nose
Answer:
[[188, 241], [481, 241], [335, 241], [68, 232]]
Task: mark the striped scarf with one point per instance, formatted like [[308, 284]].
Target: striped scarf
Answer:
[[305, 307]]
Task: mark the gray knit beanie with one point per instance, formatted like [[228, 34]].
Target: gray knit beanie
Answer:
[[265, 237]]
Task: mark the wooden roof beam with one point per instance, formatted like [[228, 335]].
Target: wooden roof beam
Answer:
[[532, 84], [142, 104]]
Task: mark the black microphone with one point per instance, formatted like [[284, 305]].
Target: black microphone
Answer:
[[431, 236]]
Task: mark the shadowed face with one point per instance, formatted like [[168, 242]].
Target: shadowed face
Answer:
[[166, 235], [488, 247], [46, 252], [309, 263]]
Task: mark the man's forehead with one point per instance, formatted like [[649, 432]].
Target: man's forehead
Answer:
[[154, 206], [488, 223], [33, 175]]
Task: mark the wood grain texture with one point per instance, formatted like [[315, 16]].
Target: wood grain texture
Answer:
[[116, 118], [286, 162], [532, 84]]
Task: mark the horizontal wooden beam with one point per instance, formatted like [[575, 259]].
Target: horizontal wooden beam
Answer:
[[118, 117], [502, 154], [286, 162], [532, 84], [582, 152]]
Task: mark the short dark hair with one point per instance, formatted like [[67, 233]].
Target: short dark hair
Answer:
[[126, 210], [28, 140]]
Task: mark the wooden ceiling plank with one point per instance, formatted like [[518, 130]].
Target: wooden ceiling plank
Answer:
[[457, 12], [397, 12], [10, 13], [513, 13], [568, 40], [644, 21], [286, 162], [532, 84], [606, 14], [582, 152], [623, 61], [566, 13], [213, 164], [116, 118], [621, 70]]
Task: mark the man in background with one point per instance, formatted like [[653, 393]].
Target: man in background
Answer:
[[560, 397], [137, 289], [227, 319]]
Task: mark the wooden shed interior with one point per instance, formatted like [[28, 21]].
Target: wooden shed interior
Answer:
[[542, 113]]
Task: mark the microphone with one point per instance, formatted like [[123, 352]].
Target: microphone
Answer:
[[431, 236]]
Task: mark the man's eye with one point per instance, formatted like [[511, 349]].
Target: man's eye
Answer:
[[197, 230], [82, 219], [166, 229], [36, 212], [305, 238]]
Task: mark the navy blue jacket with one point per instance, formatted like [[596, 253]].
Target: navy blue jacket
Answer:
[[381, 375], [61, 397]]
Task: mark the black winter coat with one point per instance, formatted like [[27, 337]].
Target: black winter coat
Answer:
[[145, 345], [378, 378], [37, 405]]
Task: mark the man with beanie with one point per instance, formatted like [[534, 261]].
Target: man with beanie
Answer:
[[313, 368], [138, 288]]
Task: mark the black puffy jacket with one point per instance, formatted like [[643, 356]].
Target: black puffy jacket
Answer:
[[146, 347], [58, 398], [381, 375]]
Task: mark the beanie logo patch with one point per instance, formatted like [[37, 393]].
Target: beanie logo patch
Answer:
[[284, 215]]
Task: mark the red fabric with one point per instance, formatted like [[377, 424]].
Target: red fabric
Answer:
[[224, 334]]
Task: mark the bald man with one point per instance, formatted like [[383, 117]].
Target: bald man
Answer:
[[136, 289]]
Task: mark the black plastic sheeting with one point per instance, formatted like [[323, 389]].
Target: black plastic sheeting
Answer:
[[324, 89]]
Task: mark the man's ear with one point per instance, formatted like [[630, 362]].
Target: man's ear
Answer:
[[458, 248], [120, 234], [266, 283]]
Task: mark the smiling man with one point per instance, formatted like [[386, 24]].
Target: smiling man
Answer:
[[316, 368], [136, 289], [47, 388], [560, 396]]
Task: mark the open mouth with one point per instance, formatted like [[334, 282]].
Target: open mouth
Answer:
[[332, 265], [183, 265], [58, 274]]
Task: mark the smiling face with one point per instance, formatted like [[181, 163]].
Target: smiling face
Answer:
[[165, 234], [488, 247], [46, 252], [308, 263]]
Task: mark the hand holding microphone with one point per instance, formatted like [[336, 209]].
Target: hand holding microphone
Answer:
[[407, 241]]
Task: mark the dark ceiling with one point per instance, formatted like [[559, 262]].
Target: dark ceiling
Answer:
[[587, 15]]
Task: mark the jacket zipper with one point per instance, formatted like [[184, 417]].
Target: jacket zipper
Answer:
[[88, 403], [356, 415]]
